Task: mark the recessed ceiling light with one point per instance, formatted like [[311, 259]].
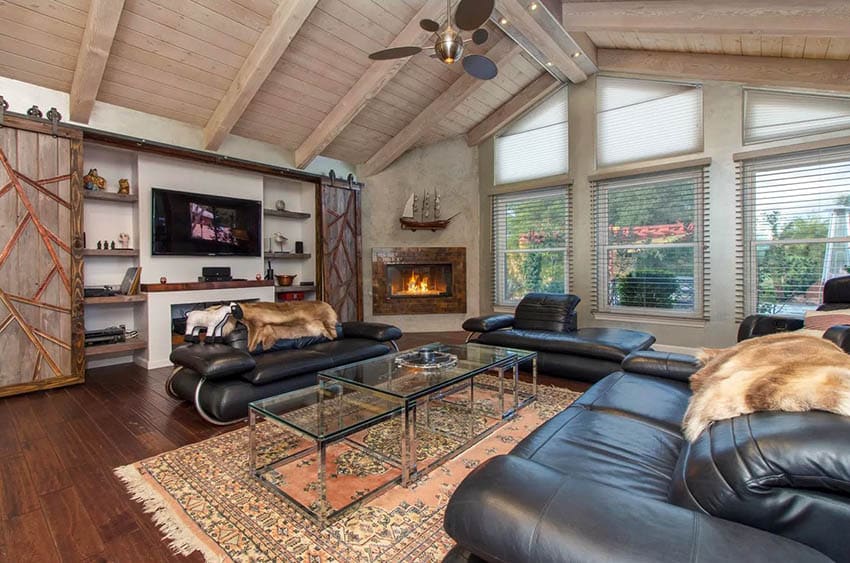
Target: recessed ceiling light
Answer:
[[576, 55], [533, 6], [503, 21], [549, 63]]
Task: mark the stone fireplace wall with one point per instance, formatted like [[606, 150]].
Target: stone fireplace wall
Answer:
[[452, 168]]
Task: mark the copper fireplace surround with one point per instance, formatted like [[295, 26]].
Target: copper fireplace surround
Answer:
[[418, 280]]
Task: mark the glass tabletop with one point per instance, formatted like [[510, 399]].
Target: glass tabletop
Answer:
[[389, 374], [327, 410]]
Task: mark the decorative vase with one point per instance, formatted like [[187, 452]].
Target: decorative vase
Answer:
[[280, 205]]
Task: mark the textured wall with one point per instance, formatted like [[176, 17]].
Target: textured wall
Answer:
[[451, 167]]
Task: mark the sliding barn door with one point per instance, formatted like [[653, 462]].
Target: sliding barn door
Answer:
[[41, 289], [340, 235]]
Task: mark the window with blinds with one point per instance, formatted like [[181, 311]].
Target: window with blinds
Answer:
[[535, 145], [530, 244], [769, 116], [651, 248], [795, 228], [645, 119]]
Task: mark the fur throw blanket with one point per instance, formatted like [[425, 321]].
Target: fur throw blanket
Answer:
[[780, 372], [269, 322]]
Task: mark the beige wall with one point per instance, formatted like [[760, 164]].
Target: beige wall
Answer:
[[450, 167]]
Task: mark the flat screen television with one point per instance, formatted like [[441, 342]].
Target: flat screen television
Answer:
[[191, 224]]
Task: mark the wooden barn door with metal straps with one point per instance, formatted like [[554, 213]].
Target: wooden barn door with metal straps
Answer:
[[41, 279], [339, 234]]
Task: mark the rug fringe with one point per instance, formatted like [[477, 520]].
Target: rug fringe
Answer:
[[182, 541]]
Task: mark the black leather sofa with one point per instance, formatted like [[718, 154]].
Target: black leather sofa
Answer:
[[221, 379], [611, 478], [546, 323]]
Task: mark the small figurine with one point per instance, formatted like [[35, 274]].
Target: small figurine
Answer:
[[112, 245], [280, 205], [34, 112], [92, 181], [163, 280], [124, 186], [124, 240], [99, 246], [106, 245], [258, 277]]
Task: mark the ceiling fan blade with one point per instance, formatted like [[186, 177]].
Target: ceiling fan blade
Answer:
[[471, 14], [429, 25], [395, 53], [479, 36], [480, 67]]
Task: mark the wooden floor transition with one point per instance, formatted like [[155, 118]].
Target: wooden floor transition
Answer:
[[59, 500]]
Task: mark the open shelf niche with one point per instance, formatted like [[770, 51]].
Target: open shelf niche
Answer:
[[297, 223], [106, 214]]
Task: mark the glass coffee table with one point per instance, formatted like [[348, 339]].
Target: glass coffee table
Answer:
[[324, 423]]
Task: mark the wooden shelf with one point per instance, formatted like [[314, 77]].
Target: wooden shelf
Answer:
[[116, 299], [130, 345], [120, 252], [110, 196], [287, 214], [295, 289], [192, 286], [285, 256]]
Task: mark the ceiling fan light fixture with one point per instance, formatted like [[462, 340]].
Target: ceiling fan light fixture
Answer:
[[449, 46], [533, 6]]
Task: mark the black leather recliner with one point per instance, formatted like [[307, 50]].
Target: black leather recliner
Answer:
[[546, 323], [222, 379], [611, 478]]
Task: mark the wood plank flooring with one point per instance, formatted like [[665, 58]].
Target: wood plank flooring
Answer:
[[59, 500]]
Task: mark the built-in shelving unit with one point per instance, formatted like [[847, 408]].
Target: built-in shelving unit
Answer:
[[116, 299], [286, 214], [118, 252], [286, 256], [110, 196]]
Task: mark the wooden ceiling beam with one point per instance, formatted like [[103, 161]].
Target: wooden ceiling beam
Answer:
[[541, 34], [754, 71], [529, 97], [430, 117], [287, 19], [367, 86], [101, 24], [824, 18]]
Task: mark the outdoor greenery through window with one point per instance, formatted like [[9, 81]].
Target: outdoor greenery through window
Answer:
[[530, 244], [796, 212], [649, 243]]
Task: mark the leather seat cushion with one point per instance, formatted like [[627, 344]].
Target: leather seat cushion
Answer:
[[612, 344], [273, 366], [349, 350], [214, 361]]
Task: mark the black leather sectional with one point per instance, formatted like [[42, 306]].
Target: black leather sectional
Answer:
[[611, 478], [222, 379], [546, 323]]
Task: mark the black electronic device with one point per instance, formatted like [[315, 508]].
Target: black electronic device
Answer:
[[111, 335], [216, 272], [102, 291], [195, 224]]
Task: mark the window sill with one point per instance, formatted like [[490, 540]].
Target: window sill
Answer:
[[649, 319]]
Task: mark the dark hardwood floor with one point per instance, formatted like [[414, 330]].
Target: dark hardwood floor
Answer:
[[59, 500]]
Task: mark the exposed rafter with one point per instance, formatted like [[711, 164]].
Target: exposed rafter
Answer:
[[756, 71], [285, 23], [367, 86], [541, 34], [826, 18], [97, 39], [513, 108], [460, 89]]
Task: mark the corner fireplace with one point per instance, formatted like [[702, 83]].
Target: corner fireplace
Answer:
[[418, 280]]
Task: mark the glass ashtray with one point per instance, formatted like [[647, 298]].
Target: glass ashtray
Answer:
[[426, 360]]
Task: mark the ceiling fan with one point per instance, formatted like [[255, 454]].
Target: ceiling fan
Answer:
[[469, 16]]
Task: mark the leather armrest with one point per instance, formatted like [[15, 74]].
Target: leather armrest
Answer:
[[213, 361], [760, 325], [679, 367], [488, 323], [376, 331], [555, 517], [840, 334]]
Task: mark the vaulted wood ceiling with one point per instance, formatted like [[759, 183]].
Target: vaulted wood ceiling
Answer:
[[297, 72]]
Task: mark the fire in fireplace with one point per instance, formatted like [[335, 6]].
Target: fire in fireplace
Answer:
[[419, 280]]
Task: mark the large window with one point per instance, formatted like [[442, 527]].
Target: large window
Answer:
[[535, 145], [769, 116], [645, 119], [530, 242], [796, 228], [650, 243]]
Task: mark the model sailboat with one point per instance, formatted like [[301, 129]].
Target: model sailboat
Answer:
[[424, 214]]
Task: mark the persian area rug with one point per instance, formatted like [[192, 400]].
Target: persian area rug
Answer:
[[203, 499]]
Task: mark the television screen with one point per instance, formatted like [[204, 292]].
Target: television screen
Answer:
[[199, 224]]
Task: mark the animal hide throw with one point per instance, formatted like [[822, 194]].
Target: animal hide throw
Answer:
[[269, 322], [779, 372]]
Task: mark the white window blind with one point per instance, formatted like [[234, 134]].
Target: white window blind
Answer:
[[530, 244], [536, 145], [644, 119], [795, 228], [769, 116], [651, 250]]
